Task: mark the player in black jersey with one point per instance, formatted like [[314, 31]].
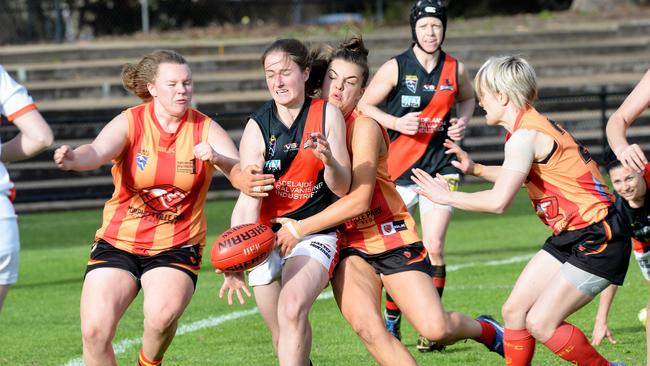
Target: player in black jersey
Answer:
[[419, 88]]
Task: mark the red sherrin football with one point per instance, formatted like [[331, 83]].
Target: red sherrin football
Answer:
[[242, 247]]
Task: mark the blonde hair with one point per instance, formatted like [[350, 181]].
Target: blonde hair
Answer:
[[509, 75], [136, 77]]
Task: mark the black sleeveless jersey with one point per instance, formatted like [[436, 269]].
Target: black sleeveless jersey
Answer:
[[637, 219], [433, 94], [299, 190]]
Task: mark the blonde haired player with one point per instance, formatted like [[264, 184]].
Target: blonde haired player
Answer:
[[589, 248], [34, 136]]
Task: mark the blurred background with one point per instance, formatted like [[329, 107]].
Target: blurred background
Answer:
[[588, 55]]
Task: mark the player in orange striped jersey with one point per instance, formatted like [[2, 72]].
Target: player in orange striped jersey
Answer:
[[164, 154], [34, 135], [299, 139], [379, 245], [589, 248]]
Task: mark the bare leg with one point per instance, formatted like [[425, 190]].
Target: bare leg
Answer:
[[528, 288], [167, 292], [106, 294], [434, 230], [357, 289], [3, 294], [266, 298], [425, 310], [303, 279]]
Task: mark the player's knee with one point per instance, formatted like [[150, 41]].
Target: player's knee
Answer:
[[538, 328], [435, 332], [512, 313], [160, 321], [95, 333], [292, 309], [434, 247]]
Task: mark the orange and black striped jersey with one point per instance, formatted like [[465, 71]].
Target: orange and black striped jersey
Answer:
[[300, 190], [638, 219], [433, 95], [387, 224], [160, 187], [566, 189]]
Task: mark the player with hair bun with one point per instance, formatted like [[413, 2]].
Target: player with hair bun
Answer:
[[164, 154], [589, 248], [419, 88], [380, 246]]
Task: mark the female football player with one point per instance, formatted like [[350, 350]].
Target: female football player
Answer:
[[589, 248], [301, 141]]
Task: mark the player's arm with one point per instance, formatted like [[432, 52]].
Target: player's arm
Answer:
[[384, 81], [108, 145], [35, 135], [337, 167], [247, 208], [465, 105], [520, 152], [367, 142], [631, 156], [600, 324], [222, 153]]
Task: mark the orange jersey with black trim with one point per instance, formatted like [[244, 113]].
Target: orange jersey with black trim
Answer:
[[433, 94], [160, 187], [566, 189], [299, 190], [387, 224]]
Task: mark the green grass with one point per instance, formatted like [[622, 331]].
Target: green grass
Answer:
[[39, 324]]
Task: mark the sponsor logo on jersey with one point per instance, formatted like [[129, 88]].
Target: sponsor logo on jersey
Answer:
[[429, 88], [323, 248], [272, 165], [392, 227], [291, 147], [187, 167], [141, 160], [410, 101], [411, 83], [271, 150], [164, 197], [446, 86]]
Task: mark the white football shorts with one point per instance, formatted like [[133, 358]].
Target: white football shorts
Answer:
[[321, 247]]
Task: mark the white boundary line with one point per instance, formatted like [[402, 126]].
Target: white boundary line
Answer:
[[213, 321]]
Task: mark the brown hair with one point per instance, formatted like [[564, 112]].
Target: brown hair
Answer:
[[301, 55], [351, 50], [136, 77]]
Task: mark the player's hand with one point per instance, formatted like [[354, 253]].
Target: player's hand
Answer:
[[408, 124], [435, 189], [321, 148], [64, 157], [601, 331], [253, 182], [234, 282], [457, 128], [288, 236], [464, 163], [632, 157], [204, 152]]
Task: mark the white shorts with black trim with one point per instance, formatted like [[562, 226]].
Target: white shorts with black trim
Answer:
[[321, 247]]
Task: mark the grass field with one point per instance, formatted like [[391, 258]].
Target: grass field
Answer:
[[39, 324]]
